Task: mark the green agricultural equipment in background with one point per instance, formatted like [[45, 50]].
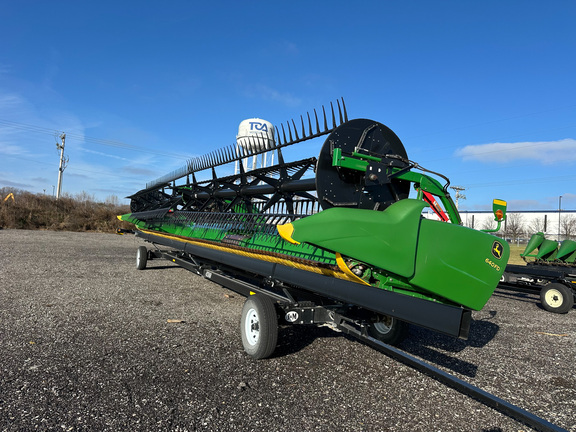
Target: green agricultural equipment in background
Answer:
[[335, 239], [550, 270], [545, 251]]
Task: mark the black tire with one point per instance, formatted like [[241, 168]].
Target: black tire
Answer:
[[557, 298], [388, 329], [259, 326], [141, 257]]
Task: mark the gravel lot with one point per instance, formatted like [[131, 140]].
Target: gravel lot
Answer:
[[86, 344]]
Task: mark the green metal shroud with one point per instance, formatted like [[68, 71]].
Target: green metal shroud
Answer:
[[446, 260], [355, 219]]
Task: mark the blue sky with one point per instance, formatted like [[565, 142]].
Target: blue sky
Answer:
[[483, 92]]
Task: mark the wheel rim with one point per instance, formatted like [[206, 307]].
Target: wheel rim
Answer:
[[252, 327], [554, 298], [384, 326]]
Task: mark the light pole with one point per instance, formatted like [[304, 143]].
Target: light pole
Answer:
[[559, 210]]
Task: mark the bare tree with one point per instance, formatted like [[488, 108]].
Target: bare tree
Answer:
[[112, 200], [537, 225], [488, 223], [514, 226], [568, 226]]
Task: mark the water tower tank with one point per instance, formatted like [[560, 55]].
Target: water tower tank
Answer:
[[255, 134]]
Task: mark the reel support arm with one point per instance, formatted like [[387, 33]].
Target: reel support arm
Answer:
[[423, 183]]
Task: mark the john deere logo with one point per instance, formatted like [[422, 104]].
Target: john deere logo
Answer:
[[497, 249]]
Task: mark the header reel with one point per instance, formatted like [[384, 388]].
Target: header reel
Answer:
[[362, 164]]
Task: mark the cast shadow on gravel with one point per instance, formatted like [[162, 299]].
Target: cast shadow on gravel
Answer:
[[435, 347], [518, 296], [294, 338], [430, 346]]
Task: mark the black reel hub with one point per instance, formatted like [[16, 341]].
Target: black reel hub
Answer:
[[374, 189]]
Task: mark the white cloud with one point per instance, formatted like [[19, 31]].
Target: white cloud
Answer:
[[9, 149], [546, 152], [268, 93]]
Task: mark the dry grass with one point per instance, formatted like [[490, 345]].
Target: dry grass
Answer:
[[515, 252], [37, 211]]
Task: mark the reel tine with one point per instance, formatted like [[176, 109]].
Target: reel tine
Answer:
[[258, 144], [317, 125], [295, 130], [345, 113], [263, 139], [333, 116], [289, 131]]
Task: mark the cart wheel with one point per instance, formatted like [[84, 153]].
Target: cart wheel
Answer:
[[259, 326], [557, 298], [388, 329], [141, 257]]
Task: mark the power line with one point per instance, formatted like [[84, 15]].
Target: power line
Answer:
[[83, 138], [73, 168]]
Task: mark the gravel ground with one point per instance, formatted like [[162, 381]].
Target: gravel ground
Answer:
[[86, 344]]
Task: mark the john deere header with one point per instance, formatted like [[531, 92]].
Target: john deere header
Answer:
[[352, 210]]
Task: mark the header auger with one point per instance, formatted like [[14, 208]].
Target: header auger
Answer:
[[337, 233]]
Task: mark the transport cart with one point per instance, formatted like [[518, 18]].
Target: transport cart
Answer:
[[556, 284]]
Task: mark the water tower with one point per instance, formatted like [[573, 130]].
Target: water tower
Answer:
[[254, 135]]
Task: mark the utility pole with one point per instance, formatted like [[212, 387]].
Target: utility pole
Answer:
[[458, 195], [559, 212], [63, 164]]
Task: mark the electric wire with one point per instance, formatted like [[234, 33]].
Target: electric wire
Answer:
[[83, 138]]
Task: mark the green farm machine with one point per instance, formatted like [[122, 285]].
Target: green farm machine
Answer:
[[334, 239], [550, 269]]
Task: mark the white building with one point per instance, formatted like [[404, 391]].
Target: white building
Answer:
[[555, 224]]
